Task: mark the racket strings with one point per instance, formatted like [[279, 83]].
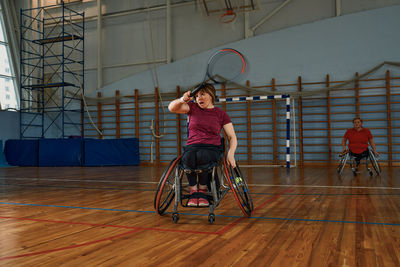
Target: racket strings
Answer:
[[226, 65]]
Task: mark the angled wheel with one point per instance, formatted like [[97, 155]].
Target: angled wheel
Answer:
[[175, 217], [211, 218], [374, 162], [342, 163], [239, 187], [165, 193]]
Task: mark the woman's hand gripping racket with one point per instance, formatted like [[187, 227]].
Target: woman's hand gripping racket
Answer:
[[225, 65]]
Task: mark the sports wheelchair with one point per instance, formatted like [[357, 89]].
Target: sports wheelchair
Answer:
[[348, 156], [223, 178]]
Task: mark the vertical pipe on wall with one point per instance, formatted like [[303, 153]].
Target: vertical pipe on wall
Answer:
[[99, 124], [117, 115], [99, 46], [249, 142], [300, 121], [137, 113], [389, 117], [247, 29], [157, 104], [328, 98], [338, 8], [168, 30], [357, 88], [178, 125]]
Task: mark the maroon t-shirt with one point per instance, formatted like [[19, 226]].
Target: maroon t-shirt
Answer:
[[205, 125], [358, 140]]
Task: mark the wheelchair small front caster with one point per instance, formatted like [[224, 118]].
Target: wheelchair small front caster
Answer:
[[211, 218], [175, 217]]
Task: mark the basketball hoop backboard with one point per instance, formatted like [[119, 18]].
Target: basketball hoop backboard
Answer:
[[211, 7]]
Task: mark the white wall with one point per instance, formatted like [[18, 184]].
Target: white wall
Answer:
[[340, 46], [126, 39]]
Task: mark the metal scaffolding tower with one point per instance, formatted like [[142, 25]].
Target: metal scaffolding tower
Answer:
[[52, 73]]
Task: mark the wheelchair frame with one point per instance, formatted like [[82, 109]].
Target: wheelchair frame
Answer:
[[224, 178], [344, 157]]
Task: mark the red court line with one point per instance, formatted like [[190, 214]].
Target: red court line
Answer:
[[70, 247], [135, 229], [111, 225]]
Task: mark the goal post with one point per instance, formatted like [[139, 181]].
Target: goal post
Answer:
[[270, 97]]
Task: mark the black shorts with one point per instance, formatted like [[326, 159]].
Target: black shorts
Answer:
[[201, 156], [358, 157]]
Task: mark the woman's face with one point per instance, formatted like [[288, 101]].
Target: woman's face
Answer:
[[204, 100], [357, 124]]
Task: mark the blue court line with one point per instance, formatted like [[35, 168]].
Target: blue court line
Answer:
[[327, 194], [139, 189], [195, 214], [73, 207]]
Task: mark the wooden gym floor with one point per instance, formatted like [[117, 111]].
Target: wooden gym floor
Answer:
[[104, 216]]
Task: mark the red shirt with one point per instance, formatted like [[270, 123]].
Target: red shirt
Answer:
[[205, 125], [358, 140]]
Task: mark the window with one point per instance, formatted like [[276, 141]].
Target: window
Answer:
[[8, 97]]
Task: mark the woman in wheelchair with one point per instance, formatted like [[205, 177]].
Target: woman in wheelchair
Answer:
[[203, 146], [358, 138]]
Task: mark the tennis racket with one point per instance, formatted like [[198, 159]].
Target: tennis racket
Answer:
[[225, 65]]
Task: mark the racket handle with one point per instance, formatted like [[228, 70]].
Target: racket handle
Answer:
[[194, 92]]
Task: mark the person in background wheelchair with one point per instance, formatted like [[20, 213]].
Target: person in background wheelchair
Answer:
[[203, 146], [358, 138]]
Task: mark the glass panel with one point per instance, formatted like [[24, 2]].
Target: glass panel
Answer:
[[2, 39], [4, 62], [7, 94]]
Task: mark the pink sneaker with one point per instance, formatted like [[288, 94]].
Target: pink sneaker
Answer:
[[203, 202], [193, 202]]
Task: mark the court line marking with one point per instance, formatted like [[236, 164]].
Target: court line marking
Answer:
[[79, 180], [219, 232], [79, 187], [134, 230], [108, 225], [152, 190], [255, 185], [326, 186], [194, 214], [69, 247]]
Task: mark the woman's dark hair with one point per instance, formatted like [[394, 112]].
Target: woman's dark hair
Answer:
[[209, 89], [357, 118]]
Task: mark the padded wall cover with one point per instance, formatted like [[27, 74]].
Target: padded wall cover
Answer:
[[60, 152], [3, 161], [109, 152], [21, 152]]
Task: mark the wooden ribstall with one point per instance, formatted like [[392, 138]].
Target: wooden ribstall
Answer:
[[321, 120]]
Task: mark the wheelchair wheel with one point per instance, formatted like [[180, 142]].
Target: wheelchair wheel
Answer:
[[342, 163], [166, 188], [240, 189], [374, 163]]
